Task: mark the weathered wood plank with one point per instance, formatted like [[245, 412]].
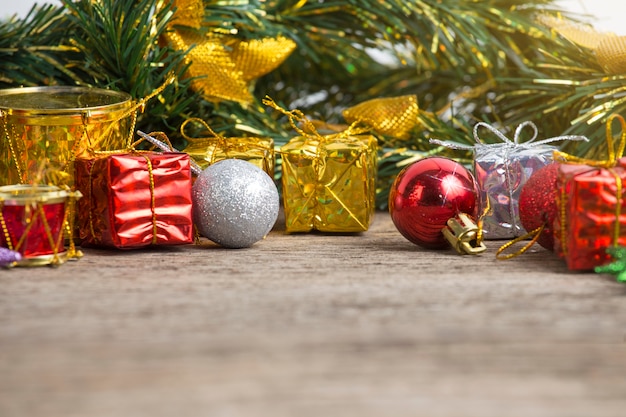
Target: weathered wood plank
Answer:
[[311, 325]]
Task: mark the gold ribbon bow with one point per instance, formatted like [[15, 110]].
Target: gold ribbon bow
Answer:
[[390, 116], [309, 131], [609, 48], [219, 140], [229, 146], [221, 65]]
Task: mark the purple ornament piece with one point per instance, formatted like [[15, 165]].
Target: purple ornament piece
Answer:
[[8, 256]]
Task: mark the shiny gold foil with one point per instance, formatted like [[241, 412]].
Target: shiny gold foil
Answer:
[[609, 48], [257, 57], [43, 129], [210, 66], [205, 151], [329, 183], [222, 66], [189, 13], [391, 116]]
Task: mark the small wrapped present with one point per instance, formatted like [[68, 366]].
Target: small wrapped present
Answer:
[[501, 170], [329, 182], [135, 199], [258, 151], [591, 203]]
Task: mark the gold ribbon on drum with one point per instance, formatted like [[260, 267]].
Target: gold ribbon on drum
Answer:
[[221, 65]]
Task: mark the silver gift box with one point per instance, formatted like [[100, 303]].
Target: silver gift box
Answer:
[[501, 170]]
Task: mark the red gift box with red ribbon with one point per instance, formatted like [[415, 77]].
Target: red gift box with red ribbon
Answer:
[[591, 203], [134, 199]]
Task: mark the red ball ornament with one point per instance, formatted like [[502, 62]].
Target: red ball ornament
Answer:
[[426, 194], [537, 203]]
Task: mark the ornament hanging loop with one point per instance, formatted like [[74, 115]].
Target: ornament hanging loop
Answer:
[[462, 233], [309, 131], [294, 117], [204, 124]]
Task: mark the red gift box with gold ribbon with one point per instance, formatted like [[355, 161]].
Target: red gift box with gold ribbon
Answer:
[[134, 199], [591, 203]]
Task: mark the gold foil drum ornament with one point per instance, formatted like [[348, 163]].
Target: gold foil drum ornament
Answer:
[[50, 126]]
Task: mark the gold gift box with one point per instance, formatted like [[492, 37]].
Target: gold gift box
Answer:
[[206, 151], [329, 182], [257, 151]]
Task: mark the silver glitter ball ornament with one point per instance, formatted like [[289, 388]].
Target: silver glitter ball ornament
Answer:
[[235, 203]]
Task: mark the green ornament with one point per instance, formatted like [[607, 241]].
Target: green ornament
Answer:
[[618, 266]]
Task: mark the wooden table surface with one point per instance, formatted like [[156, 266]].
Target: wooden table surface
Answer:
[[311, 325]]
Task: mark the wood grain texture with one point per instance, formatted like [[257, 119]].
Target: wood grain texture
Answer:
[[311, 325]]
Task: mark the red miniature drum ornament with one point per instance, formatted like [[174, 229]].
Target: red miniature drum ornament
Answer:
[[35, 220]]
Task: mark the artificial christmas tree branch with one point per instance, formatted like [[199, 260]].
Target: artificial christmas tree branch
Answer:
[[466, 61]]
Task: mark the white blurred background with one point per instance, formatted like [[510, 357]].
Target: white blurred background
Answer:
[[605, 15]]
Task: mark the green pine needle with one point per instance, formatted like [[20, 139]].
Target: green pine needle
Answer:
[[466, 61]]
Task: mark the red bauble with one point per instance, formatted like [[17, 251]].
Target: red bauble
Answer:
[[426, 194], [537, 203]]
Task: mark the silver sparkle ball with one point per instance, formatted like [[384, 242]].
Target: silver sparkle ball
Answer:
[[235, 203]]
